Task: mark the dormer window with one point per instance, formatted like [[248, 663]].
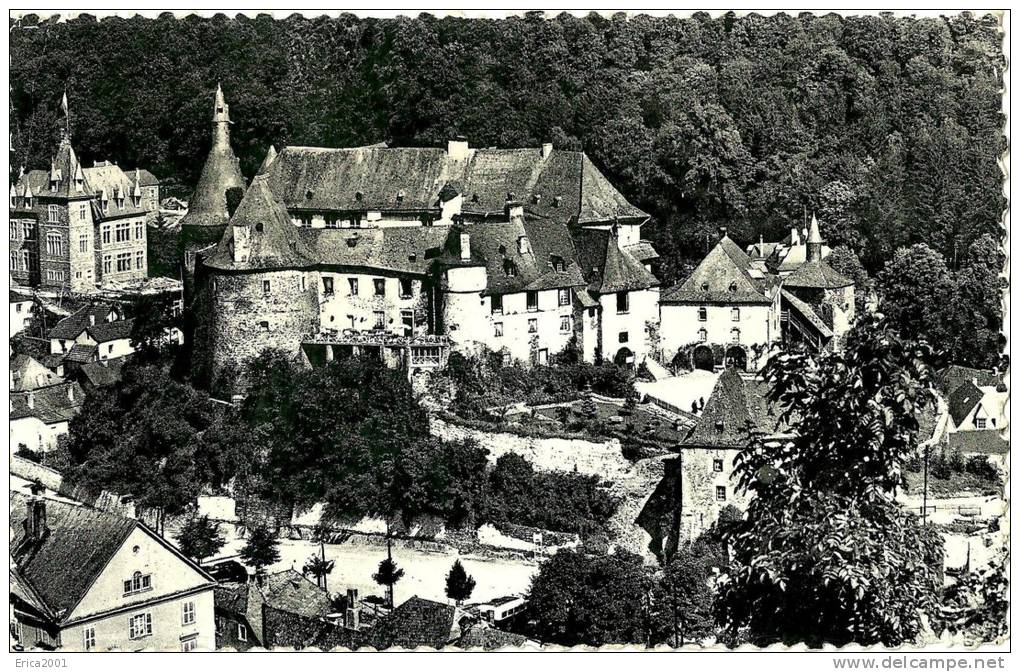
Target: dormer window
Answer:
[[308, 194], [536, 199], [733, 286], [557, 201], [400, 196], [502, 250], [259, 227], [704, 286], [558, 264], [510, 268], [522, 245], [359, 196], [474, 198]]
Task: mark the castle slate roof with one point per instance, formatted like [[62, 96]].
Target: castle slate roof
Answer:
[[267, 161], [736, 406], [61, 567], [606, 267], [146, 178], [723, 276], [107, 181], [288, 591], [489, 639], [73, 325], [51, 405], [28, 373], [398, 249], [274, 240], [817, 275], [64, 165], [963, 400], [564, 186]]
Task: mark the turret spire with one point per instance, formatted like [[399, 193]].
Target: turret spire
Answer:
[[814, 241]]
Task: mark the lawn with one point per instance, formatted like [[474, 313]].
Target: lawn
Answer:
[[958, 483]]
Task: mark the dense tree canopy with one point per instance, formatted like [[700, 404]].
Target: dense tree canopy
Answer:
[[888, 127]]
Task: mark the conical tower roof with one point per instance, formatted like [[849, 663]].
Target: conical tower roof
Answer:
[[268, 161], [222, 171], [273, 240]]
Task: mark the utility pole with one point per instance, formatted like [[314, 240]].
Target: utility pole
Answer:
[[924, 506]]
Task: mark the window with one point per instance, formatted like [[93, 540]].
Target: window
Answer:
[[90, 638], [735, 314], [83, 242], [242, 632], [720, 493], [303, 283], [139, 260], [380, 286], [306, 220], [14, 229], [332, 222], [139, 230], [565, 324], [533, 326], [543, 357], [27, 228], [558, 265], [497, 304], [734, 335], [980, 423], [380, 319], [532, 300], [406, 288], [122, 232], [14, 260], [54, 245], [267, 286], [353, 283], [188, 613], [702, 314], [733, 286], [140, 626], [624, 337], [53, 213], [55, 276], [137, 583], [703, 335], [108, 265], [106, 234], [327, 286], [622, 303], [510, 268], [83, 210], [717, 464], [563, 297], [189, 644], [26, 264], [499, 329], [264, 326], [123, 262]]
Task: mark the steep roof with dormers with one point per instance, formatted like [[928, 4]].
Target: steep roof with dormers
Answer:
[[723, 276]]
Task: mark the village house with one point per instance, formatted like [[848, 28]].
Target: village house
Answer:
[[87, 580], [74, 228], [21, 305], [241, 610], [976, 401], [738, 405], [786, 256], [39, 416], [98, 332], [425, 623], [407, 253]]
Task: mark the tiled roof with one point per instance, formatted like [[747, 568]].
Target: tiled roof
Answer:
[[61, 566], [29, 374], [817, 275], [791, 258], [107, 181], [73, 325], [417, 622], [605, 266], [987, 441], [808, 313], [954, 375], [64, 165], [287, 591], [400, 249], [102, 375], [642, 250], [489, 639], [963, 400], [81, 353], [53, 404], [723, 276], [735, 406], [146, 178], [104, 332], [562, 186], [273, 239]]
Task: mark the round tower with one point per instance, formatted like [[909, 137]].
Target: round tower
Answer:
[[465, 279], [258, 288]]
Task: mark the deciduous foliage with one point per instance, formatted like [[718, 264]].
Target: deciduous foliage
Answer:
[[825, 554], [459, 584], [261, 548], [200, 538]]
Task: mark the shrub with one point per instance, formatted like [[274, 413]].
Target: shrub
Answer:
[[956, 461], [980, 466]]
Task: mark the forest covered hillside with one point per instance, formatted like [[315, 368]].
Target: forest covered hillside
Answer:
[[888, 127]]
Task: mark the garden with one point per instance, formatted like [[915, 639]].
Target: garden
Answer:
[[951, 474]]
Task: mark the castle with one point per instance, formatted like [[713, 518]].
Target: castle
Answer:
[[409, 253]]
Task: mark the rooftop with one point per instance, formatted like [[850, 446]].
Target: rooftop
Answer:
[[723, 276], [735, 407]]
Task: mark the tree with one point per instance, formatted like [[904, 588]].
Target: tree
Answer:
[[594, 600], [388, 574], [261, 548], [200, 538], [845, 261], [319, 567], [459, 585], [153, 322], [825, 554], [683, 594]]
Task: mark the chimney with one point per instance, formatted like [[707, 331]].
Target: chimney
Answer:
[[92, 320], [31, 400], [794, 236], [523, 247], [514, 209], [352, 615], [722, 232], [36, 520], [457, 149], [546, 149], [70, 392], [465, 245]]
